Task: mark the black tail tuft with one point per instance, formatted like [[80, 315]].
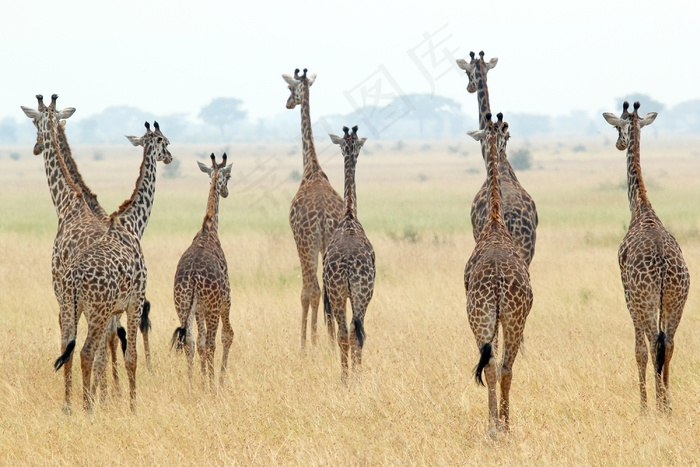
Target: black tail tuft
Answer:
[[179, 339], [486, 354], [359, 331], [327, 312], [145, 324], [121, 333], [65, 356], [660, 352]]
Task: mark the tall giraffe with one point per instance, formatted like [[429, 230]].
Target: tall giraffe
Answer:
[[202, 289], [519, 211], [109, 276], [497, 284], [316, 207], [74, 224], [654, 274], [78, 226], [348, 264]]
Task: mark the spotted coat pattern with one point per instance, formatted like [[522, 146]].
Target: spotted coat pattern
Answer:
[[497, 284], [654, 274], [316, 207], [202, 291], [348, 265], [519, 210]]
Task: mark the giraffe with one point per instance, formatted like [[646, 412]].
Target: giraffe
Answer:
[[75, 231], [348, 264], [115, 331], [202, 289], [654, 274], [497, 284], [316, 207], [519, 210], [109, 276]]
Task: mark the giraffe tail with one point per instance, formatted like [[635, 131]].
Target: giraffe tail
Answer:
[[179, 339], [121, 333], [486, 356], [328, 313], [660, 344], [65, 356], [145, 324], [359, 330]]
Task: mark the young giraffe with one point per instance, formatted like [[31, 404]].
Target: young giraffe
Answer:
[[497, 284], [202, 289], [654, 274], [519, 211], [348, 264], [316, 207], [109, 277]]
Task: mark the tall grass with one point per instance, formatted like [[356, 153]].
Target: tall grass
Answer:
[[574, 398]]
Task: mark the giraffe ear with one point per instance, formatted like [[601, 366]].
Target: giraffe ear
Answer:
[[464, 65], [491, 63], [204, 168], [227, 170], [312, 78], [612, 119], [135, 140], [288, 79], [65, 113], [336, 139], [648, 119], [361, 142], [477, 134], [31, 113]]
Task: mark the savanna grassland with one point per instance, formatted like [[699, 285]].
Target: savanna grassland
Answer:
[[574, 398]]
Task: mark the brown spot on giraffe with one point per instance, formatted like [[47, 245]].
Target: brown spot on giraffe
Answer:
[[202, 291], [519, 210], [497, 284], [654, 274], [348, 265], [316, 207]]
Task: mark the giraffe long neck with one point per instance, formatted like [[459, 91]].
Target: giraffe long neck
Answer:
[[307, 137], [636, 191], [211, 218], [61, 186], [350, 192], [88, 195], [134, 213], [482, 98], [490, 154]]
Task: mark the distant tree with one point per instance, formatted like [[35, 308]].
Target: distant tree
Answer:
[[223, 111]]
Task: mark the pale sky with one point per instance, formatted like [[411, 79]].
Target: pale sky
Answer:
[[173, 56]]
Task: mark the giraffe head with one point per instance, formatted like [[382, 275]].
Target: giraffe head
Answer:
[[627, 123], [497, 130], [476, 69], [296, 86], [44, 118], [220, 171], [349, 144], [154, 142]]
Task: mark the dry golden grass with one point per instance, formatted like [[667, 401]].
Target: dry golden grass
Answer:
[[574, 398]]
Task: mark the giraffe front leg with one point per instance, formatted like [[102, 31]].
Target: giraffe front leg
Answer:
[[343, 342], [99, 369], [87, 358], [212, 328]]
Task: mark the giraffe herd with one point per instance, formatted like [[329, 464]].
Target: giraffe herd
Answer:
[[99, 271]]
